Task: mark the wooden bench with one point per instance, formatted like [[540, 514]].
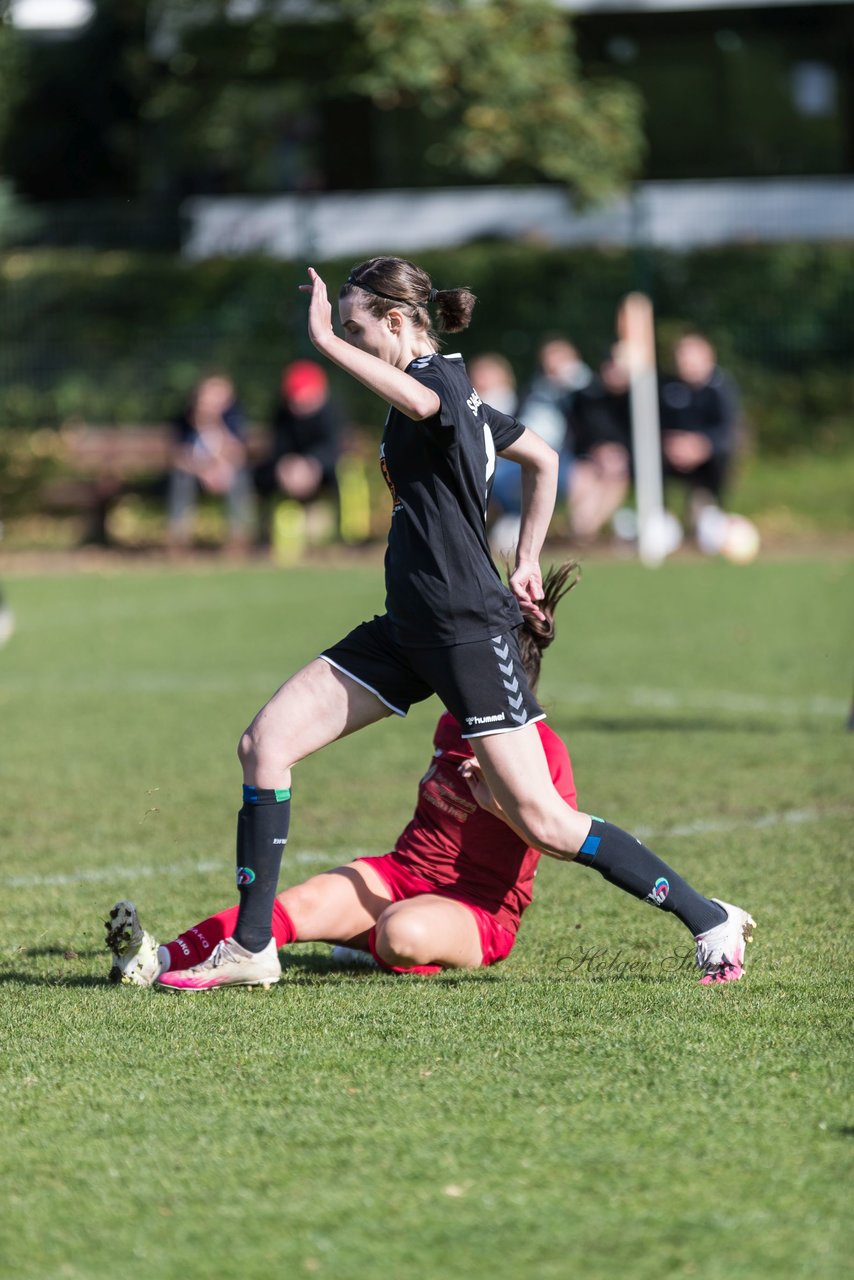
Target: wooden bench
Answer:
[[100, 465]]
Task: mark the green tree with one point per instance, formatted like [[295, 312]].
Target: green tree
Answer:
[[69, 108], [503, 77], [165, 97], [12, 55]]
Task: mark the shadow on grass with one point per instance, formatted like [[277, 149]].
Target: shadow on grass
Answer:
[[699, 724], [11, 977], [64, 953], [305, 969], [584, 967]]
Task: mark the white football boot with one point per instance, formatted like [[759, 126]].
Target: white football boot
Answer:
[[134, 951], [720, 951], [228, 965]]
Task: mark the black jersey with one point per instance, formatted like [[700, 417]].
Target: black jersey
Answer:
[[442, 587]]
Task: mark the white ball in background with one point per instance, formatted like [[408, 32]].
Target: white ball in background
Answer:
[[741, 540]]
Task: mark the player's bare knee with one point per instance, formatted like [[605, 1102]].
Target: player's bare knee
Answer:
[[246, 748], [258, 750], [403, 938]]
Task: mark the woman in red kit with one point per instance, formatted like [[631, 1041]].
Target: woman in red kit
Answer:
[[450, 895]]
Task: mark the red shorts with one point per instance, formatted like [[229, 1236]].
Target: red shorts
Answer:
[[496, 942]]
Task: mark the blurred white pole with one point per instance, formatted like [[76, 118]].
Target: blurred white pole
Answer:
[[636, 328], [50, 15]]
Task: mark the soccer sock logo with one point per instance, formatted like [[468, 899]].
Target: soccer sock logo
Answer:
[[659, 892]]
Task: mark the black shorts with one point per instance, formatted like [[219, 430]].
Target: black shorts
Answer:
[[482, 683]]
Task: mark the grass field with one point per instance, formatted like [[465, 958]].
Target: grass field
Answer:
[[585, 1109]]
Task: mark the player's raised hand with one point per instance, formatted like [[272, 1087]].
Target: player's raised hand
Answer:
[[319, 312], [526, 583]]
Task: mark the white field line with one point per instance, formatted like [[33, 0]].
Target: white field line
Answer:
[[705, 700], [171, 683], [332, 858], [197, 866], [720, 826]]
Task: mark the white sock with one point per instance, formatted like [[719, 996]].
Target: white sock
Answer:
[[164, 960]]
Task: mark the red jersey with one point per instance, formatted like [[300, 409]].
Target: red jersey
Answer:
[[452, 842]]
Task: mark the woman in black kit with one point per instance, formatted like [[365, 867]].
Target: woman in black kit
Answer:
[[449, 627]]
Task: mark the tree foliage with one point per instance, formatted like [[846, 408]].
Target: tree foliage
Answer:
[[166, 97], [504, 77]]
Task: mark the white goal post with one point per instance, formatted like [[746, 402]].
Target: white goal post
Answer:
[[636, 329]]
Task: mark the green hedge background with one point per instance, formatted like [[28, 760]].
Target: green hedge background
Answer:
[[119, 337]]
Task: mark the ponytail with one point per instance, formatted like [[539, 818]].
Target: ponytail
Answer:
[[453, 309], [536, 634]]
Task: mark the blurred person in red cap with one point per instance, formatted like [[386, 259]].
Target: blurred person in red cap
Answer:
[[306, 431], [307, 427]]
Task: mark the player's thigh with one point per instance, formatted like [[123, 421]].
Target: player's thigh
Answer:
[[516, 769], [316, 706], [337, 905], [430, 929]]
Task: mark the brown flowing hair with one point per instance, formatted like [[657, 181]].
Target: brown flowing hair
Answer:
[[385, 283], [536, 634]]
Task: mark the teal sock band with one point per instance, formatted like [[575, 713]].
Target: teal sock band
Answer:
[[263, 795]]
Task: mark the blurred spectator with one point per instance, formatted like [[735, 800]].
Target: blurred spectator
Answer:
[[546, 404], [544, 407], [699, 412], [209, 454], [493, 379], [306, 436], [306, 429], [601, 431]]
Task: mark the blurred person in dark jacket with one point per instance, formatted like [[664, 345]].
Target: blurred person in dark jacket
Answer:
[[600, 424], [699, 416]]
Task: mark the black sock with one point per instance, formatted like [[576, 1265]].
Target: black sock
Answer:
[[262, 833], [626, 862]]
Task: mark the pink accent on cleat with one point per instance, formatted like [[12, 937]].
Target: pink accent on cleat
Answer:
[[720, 951], [729, 973], [228, 965]]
